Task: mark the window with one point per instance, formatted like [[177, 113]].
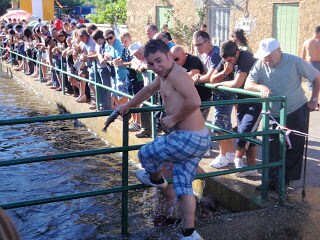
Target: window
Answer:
[[218, 24], [164, 16]]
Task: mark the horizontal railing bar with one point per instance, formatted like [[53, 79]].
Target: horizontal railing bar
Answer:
[[127, 188], [69, 155]]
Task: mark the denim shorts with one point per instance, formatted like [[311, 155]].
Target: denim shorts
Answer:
[[248, 120], [184, 149], [222, 114]]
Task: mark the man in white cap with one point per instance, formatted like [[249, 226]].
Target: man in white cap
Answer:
[[279, 74]]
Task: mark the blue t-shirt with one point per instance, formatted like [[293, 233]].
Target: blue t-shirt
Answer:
[[212, 59], [116, 51]]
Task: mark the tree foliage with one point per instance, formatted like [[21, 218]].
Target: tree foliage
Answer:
[[4, 5], [115, 12], [71, 3]]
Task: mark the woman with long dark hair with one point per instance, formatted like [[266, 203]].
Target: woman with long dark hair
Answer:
[[240, 39]]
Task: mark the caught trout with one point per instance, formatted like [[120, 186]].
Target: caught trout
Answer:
[[110, 119]]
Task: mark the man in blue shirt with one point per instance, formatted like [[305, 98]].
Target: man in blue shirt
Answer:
[[115, 50]]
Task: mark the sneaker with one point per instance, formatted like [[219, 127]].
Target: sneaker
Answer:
[[194, 236], [219, 162], [251, 173], [230, 156], [133, 127], [144, 177], [143, 134], [238, 162]]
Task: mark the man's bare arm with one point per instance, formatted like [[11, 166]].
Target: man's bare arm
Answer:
[[252, 86], [144, 94], [237, 82], [193, 72]]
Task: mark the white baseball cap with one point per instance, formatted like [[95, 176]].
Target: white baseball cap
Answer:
[[134, 47], [266, 46]]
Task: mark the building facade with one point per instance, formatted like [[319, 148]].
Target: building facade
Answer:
[[289, 21]]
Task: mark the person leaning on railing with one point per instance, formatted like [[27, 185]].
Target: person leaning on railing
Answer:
[[232, 72], [103, 74], [279, 74]]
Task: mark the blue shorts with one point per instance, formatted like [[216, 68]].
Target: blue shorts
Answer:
[[184, 149], [119, 85], [222, 113], [248, 120]]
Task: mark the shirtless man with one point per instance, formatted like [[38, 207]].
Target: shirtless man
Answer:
[[189, 139], [311, 50]]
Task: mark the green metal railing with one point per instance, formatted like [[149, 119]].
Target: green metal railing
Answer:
[[125, 148]]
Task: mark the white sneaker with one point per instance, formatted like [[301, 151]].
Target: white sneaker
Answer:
[[238, 162], [144, 177], [194, 236], [251, 173], [219, 162], [230, 156]]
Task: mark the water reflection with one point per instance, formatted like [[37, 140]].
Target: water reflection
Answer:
[[87, 218]]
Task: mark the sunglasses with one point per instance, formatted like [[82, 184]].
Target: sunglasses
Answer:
[[109, 38], [176, 59], [61, 36], [200, 44]]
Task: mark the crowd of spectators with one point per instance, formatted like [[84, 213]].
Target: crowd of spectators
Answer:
[[67, 44]]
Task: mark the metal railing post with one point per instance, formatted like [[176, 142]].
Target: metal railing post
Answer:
[[95, 70], [153, 119], [63, 68], [265, 152], [125, 175], [39, 64], [282, 150]]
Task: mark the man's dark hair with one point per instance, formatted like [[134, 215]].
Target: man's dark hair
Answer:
[[317, 29], [228, 48], [27, 33], [91, 26], [109, 31], [202, 34], [165, 25], [97, 34], [153, 27], [155, 45], [83, 32]]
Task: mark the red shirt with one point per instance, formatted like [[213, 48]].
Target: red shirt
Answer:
[[58, 24]]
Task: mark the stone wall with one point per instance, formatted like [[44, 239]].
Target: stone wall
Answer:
[[261, 13], [139, 12]]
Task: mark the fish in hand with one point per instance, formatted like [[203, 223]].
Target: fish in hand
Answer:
[[110, 119]]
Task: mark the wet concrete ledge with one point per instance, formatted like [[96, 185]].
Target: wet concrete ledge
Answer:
[[237, 194]]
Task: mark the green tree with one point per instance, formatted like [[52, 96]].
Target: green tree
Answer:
[[115, 12], [4, 5], [101, 4], [71, 3]]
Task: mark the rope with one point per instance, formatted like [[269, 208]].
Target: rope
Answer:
[[288, 130]]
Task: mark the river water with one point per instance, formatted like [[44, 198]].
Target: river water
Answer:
[[88, 218]]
